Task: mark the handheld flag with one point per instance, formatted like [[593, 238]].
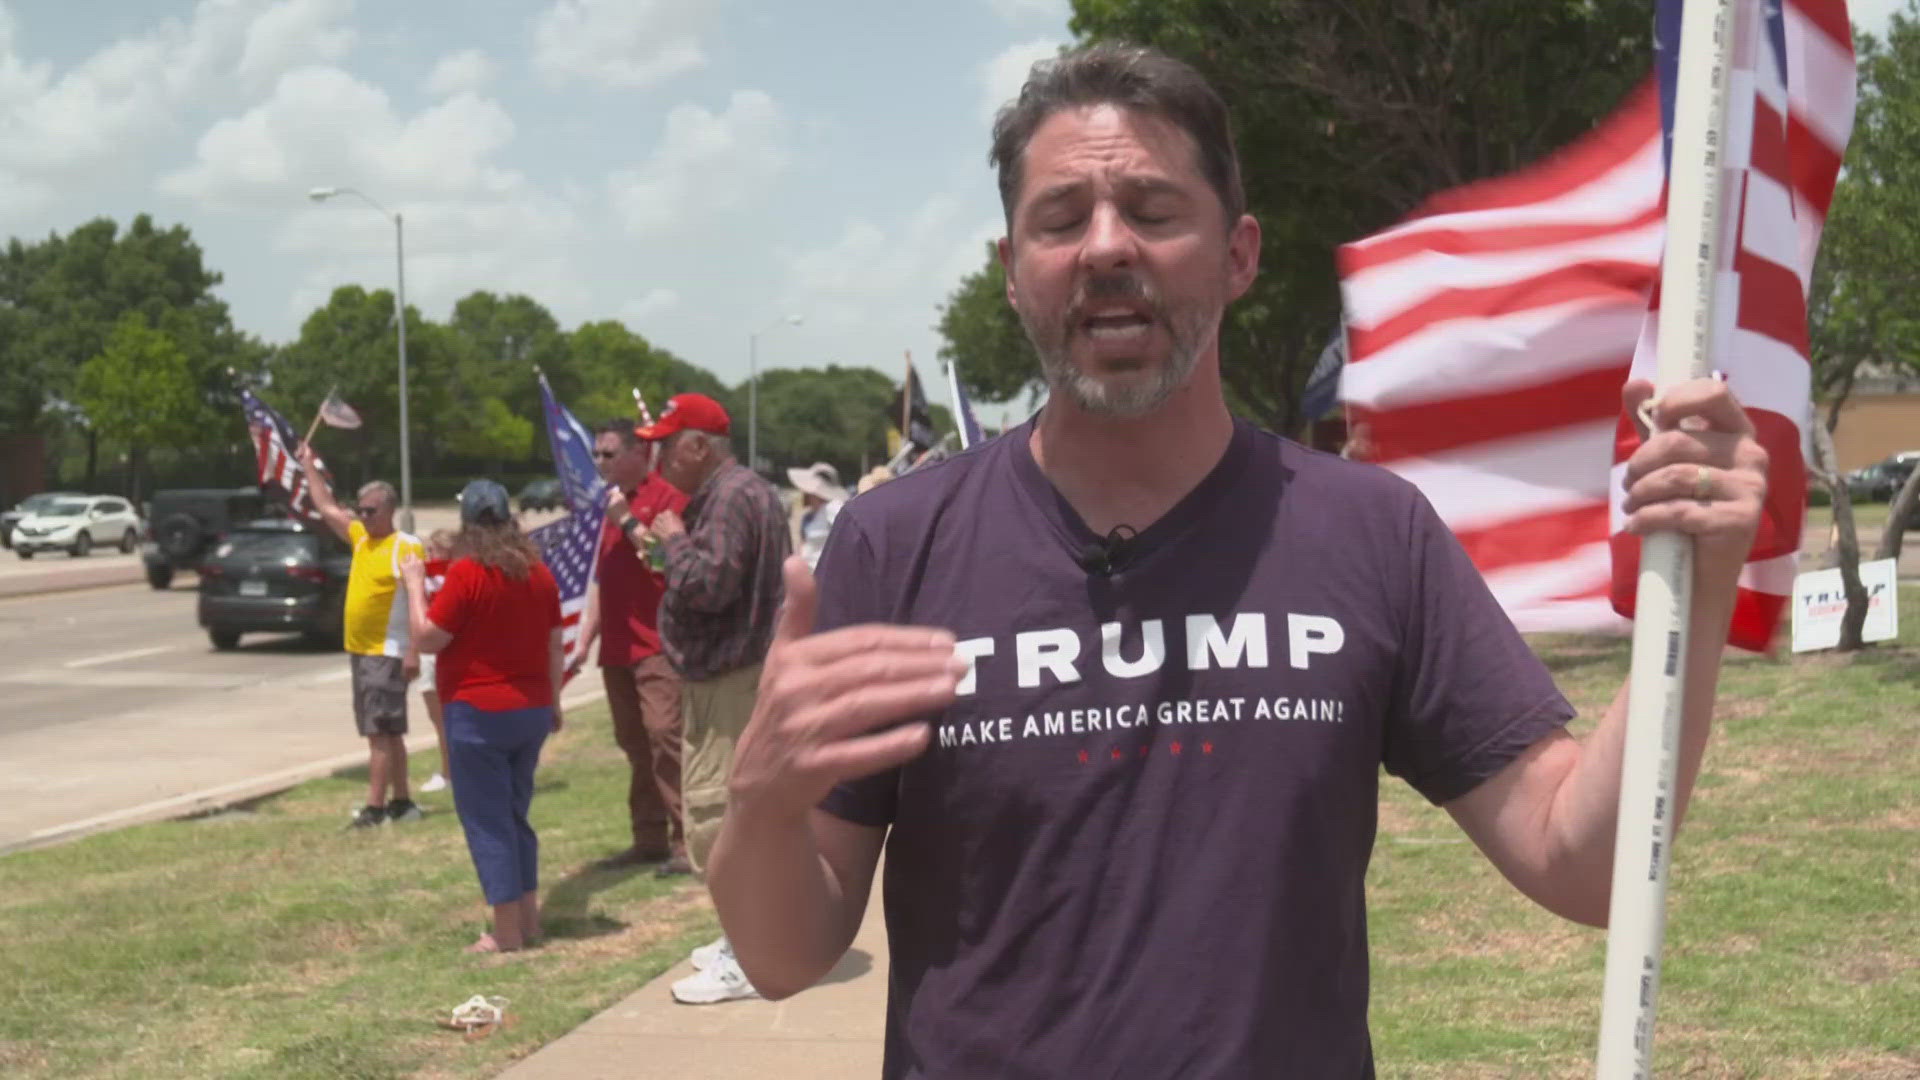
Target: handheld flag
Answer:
[[640, 408], [908, 417], [278, 469], [1491, 332], [337, 413], [962, 410], [571, 545]]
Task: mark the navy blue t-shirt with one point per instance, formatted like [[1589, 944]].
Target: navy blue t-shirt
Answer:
[[1137, 844]]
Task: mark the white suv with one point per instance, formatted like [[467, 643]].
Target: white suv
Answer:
[[76, 525]]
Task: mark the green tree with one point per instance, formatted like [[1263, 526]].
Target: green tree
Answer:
[[984, 338], [835, 414], [497, 342], [493, 432], [1346, 116], [143, 388], [1864, 305], [610, 362], [62, 297], [350, 344]]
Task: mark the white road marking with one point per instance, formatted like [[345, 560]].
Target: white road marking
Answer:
[[109, 658], [130, 680]]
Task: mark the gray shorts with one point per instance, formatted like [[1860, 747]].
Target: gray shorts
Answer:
[[379, 694]]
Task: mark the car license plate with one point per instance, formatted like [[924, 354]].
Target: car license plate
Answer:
[[253, 588]]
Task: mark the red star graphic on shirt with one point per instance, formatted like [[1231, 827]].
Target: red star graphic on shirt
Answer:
[[1145, 750], [1175, 747], [1206, 748], [1083, 757], [1116, 754]]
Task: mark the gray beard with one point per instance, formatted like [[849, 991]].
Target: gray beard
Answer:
[[1100, 396]]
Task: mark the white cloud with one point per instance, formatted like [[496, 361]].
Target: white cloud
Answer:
[[655, 302], [470, 221], [1002, 77], [888, 279], [323, 126], [59, 129], [467, 71], [293, 32], [621, 43], [1021, 11], [704, 163]]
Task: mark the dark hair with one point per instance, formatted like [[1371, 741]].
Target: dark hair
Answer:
[[502, 546], [1132, 77], [622, 428]]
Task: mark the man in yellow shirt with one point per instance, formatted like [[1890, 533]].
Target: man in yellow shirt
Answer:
[[379, 648]]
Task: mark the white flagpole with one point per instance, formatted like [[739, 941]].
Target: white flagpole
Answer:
[[1643, 838]]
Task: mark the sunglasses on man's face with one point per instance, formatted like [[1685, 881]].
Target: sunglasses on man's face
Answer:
[[366, 511], [606, 455]]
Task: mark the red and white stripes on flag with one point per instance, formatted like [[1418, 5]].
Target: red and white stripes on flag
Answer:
[[273, 447], [1491, 332]]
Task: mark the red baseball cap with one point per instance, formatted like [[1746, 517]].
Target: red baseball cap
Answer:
[[687, 412]]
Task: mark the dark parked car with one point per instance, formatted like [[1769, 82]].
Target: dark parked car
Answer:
[[1880, 481], [30, 505], [276, 575], [185, 525], [541, 495]]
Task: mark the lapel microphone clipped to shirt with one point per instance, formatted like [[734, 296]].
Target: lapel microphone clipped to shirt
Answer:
[[1109, 554]]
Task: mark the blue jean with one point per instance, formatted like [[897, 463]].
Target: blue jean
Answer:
[[493, 755]]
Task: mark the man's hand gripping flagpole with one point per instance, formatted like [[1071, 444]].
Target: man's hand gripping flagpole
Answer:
[[1648, 811]]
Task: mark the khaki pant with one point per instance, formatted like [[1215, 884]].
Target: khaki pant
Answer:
[[645, 702], [715, 713]]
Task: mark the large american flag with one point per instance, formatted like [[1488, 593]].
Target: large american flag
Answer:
[[1491, 332], [570, 546], [274, 443]]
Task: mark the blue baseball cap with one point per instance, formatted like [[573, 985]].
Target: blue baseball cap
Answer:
[[483, 502]]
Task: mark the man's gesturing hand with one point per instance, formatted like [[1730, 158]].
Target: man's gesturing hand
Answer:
[[831, 705]]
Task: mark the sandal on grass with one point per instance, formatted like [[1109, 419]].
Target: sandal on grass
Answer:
[[478, 1017]]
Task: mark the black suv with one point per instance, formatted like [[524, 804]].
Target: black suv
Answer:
[[280, 575], [184, 525]]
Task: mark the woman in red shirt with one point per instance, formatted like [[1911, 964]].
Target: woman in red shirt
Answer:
[[495, 624]]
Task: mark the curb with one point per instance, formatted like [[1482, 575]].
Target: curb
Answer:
[[212, 799]]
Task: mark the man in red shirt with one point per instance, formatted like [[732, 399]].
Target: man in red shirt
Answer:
[[643, 692]]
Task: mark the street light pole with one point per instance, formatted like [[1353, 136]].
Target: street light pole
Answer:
[[400, 318], [322, 194], [753, 387]]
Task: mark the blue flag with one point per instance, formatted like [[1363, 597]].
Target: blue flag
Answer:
[[571, 545]]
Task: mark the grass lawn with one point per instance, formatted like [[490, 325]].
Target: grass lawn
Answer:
[[267, 943], [1793, 929]]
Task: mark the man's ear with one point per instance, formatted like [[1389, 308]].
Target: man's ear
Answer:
[[1243, 256]]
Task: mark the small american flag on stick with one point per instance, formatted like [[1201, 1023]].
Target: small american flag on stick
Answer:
[[279, 470]]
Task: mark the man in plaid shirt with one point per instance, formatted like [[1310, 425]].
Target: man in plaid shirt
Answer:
[[723, 596]]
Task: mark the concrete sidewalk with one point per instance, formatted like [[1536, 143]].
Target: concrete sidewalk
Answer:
[[833, 1030]]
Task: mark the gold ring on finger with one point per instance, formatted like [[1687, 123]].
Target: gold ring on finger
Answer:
[[1703, 484]]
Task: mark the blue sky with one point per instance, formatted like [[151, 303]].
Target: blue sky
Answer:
[[696, 168]]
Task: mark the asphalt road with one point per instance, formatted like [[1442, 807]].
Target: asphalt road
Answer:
[[78, 657], [112, 699]]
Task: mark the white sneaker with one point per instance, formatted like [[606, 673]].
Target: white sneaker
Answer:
[[724, 981], [436, 782], [709, 954]]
